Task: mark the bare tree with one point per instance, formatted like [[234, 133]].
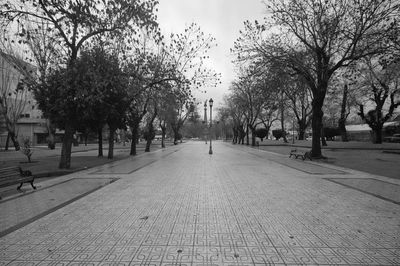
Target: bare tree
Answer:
[[299, 98], [45, 50], [333, 34], [381, 83]]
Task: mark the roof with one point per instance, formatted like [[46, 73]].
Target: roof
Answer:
[[365, 127], [31, 120], [362, 127], [21, 64]]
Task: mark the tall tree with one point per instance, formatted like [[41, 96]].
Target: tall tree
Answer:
[[46, 53], [381, 83], [300, 102], [333, 33], [344, 114], [147, 68], [180, 109], [236, 112], [74, 23], [171, 68], [249, 93], [149, 132]]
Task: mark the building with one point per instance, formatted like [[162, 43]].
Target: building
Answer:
[[21, 106], [363, 132]]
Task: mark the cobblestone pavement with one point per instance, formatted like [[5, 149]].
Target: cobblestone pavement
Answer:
[[235, 207]]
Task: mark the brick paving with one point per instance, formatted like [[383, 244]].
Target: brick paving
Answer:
[[239, 206]]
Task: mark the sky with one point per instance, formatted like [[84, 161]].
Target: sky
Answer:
[[222, 19]]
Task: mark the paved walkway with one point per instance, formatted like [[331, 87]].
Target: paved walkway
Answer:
[[378, 159], [239, 206]]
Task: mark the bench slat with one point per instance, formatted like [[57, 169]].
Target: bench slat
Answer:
[[5, 169], [15, 181], [12, 175], [302, 154], [6, 175]]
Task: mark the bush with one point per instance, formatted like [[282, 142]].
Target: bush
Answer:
[[331, 132], [149, 134], [26, 148], [51, 145], [391, 130], [278, 133], [261, 133]]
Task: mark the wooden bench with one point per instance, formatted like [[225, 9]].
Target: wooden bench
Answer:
[[15, 175], [302, 154]]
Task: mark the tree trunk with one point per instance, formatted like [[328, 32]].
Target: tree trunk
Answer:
[[375, 122], [343, 115], [316, 126], [247, 135], [176, 136], [323, 139], [234, 139], [242, 133], [14, 141], [151, 131], [148, 144], [65, 160], [253, 137], [163, 133], [342, 129], [51, 143], [111, 143], [302, 130], [134, 130], [100, 140], [86, 138], [7, 141], [377, 134], [283, 124], [175, 129]]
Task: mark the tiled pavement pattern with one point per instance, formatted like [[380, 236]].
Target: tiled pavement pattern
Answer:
[[33, 205], [230, 208], [122, 167], [384, 190]]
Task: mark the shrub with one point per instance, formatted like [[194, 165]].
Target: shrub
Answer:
[[149, 134], [26, 148], [331, 132], [261, 133], [278, 133]]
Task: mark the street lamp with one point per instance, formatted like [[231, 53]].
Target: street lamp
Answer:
[[211, 105], [205, 119]]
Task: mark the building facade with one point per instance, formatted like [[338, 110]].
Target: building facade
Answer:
[[18, 105]]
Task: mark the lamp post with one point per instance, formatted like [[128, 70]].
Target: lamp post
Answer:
[[211, 105], [205, 119]]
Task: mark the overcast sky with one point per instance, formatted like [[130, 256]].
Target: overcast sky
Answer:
[[221, 18]]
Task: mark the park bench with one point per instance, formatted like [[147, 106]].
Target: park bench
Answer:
[[302, 154], [15, 175]]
